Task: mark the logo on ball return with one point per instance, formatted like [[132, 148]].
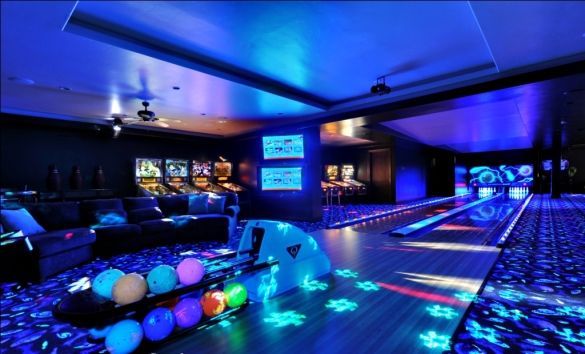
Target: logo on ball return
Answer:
[[294, 250]]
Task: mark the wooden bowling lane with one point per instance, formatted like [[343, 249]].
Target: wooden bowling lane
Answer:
[[393, 221], [383, 296]]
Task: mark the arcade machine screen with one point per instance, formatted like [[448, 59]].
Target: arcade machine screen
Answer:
[[177, 176], [201, 174], [223, 172], [281, 178], [329, 189], [148, 175], [283, 147], [333, 172], [348, 175]]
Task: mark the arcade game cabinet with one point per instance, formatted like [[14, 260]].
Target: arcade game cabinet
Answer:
[[177, 176], [201, 172], [148, 174], [348, 175], [332, 190]]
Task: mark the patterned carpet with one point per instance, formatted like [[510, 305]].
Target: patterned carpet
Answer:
[[534, 300]]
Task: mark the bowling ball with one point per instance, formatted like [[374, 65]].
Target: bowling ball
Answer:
[[235, 294], [162, 279], [190, 271], [129, 288], [124, 337], [213, 302], [103, 283], [188, 312], [158, 323]]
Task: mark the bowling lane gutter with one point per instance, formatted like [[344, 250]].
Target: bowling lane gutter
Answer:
[[350, 222], [433, 221]]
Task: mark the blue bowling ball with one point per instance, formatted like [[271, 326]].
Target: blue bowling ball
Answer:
[[102, 284], [124, 337], [162, 279], [158, 323]]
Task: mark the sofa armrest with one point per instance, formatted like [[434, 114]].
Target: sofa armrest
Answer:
[[232, 211]]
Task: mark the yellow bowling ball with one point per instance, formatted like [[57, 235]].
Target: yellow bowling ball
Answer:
[[129, 288]]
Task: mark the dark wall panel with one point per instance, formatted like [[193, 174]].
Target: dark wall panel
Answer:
[[409, 170], [28, 148], [297, 205]]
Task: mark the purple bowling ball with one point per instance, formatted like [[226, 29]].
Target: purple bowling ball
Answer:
[[188, 312], [190, 271]]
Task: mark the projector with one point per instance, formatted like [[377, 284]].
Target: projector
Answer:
[[380, 89]]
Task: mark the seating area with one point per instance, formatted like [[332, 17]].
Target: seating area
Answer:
[[49, 238]]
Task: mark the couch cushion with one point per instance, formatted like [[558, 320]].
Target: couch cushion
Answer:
[[157, 226], [107, 217], [139, 215], [55, 242], [140, 203], [20, 219], [216, 204], [172, 205], [56, 215], [198, 203]]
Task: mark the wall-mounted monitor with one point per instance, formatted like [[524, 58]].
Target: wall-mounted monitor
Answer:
[[223, 169], [176, 168], [547, 165], [283, 147], [201, 168], [281, 178], [502, 175], [148, 167]]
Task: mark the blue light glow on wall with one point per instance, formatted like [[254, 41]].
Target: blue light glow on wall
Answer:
[[503, 174]]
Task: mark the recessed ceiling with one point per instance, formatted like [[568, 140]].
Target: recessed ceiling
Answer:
[[262, 64]]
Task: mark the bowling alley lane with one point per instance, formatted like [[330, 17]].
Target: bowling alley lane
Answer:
[[384, 295], [393, 221]]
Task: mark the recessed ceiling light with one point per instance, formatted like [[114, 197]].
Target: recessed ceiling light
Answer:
[[222, 121], [203, 114], [176, 88], [64, 88], [21, 80]]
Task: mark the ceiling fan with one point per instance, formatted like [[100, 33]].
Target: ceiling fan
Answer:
[[142, 116]]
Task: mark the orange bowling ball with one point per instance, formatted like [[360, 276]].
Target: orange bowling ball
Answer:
[[129, 288], [213, 302]]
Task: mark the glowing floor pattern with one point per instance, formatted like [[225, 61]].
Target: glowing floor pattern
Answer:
[[534, 301]]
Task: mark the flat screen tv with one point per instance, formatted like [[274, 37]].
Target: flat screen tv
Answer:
[[502, 175], [281, 178], [176, 168], [223, 169], [148, 167], [283, 147], [201, 168]]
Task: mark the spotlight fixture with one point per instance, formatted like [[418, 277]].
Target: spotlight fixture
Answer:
[[380, 87]]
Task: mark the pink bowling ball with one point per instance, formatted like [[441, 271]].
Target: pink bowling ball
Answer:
[[190, 271]]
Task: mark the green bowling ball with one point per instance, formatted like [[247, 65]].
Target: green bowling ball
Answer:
[[235, 294]]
